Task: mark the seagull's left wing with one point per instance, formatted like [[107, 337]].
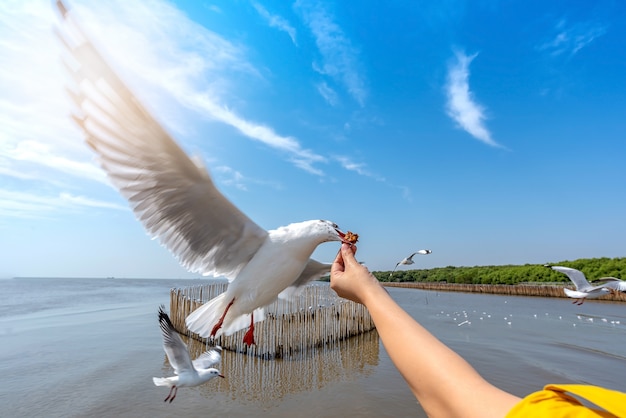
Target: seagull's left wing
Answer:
[[576, 276], [174, 198], [312, 271], [209, 358]]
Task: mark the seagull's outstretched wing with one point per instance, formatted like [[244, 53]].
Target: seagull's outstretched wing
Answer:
[[312, 271], [208, 359], [612, 283], [175, 348], [422, 252], [394, 269], [174, 198], [576, 276]]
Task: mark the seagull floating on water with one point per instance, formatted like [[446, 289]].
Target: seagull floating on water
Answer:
[[584, 289], [188, 373], [409, 260], [177, 202]]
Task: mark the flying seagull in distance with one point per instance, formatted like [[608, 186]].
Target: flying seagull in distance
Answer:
[[409, 260], [584, 289], [188, 373], [177, 202]]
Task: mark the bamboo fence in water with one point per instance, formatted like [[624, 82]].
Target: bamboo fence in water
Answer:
[[314, 319], [555, 291]]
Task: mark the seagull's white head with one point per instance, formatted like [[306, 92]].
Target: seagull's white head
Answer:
[[323, 230], [208, 374]]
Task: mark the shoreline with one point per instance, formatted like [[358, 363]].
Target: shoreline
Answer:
[[552, 291]]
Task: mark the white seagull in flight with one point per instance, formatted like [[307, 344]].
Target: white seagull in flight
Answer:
[[584, 289], [175, 199], [188, 373], [409, 260]]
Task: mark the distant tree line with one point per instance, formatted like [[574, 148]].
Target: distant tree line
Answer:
[[593, 268]]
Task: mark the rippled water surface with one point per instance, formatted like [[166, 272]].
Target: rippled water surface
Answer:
[[89, 347]]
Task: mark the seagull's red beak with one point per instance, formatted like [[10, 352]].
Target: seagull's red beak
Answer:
[[341, 235], [221, 375]]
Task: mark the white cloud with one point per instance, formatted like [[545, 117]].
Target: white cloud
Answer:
[[155, 48], [276, 21], [231, 177], [188, 62], [171, 62], [360, 168], [35, 127], [328, 93], [571, 38], [460, 105], [339, 57], [29, 205]]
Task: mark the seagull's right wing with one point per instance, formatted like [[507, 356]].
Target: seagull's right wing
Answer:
[[175, 199], [576, 276], [175, 348], [394, 269]]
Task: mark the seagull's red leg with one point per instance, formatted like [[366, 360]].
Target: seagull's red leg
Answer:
[[249, 337], [169, 394], [221, 321]]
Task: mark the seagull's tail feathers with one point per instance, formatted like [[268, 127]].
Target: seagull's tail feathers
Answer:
[[202, 320], [162, 381]]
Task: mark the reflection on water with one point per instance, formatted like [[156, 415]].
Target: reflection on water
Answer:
[[256, 379]]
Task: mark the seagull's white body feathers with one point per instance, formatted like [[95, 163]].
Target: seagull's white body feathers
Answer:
[[175, 199], [280, 268], [188, 373]]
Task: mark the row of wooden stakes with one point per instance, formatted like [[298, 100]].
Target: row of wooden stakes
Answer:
[[547, 290], [314, 319]]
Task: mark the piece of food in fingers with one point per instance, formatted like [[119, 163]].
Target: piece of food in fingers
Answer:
[[351, 237]]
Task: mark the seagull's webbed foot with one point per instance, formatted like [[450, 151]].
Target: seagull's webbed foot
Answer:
[[221, 320], [249, 337]]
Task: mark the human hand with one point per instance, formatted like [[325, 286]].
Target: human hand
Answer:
[[348, 277]]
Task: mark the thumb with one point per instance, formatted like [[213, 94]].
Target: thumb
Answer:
[[347, 253]]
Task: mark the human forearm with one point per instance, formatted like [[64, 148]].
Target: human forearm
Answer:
[[443, 382]]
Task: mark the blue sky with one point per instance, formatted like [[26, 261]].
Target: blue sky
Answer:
[[491, 132]]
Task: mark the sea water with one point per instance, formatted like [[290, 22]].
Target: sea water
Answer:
[[90, 347]]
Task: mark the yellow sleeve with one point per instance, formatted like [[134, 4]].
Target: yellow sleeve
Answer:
[[552, 401]]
